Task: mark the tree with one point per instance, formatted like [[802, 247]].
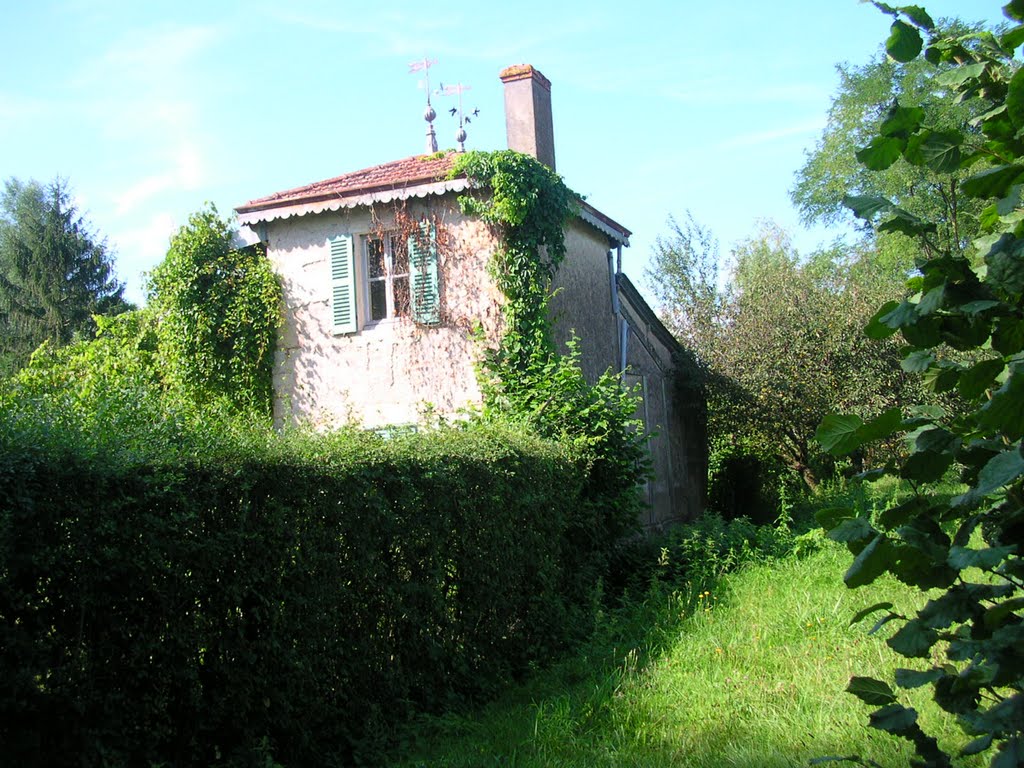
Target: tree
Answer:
[[55, 273], [834, 168], [965, 550], [781, 340], [217, 311]]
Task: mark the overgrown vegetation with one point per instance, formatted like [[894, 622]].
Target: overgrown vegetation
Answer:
[[55, 271], [526, 379], [726, 650], [221, 596], [183, 585], [967, 547]]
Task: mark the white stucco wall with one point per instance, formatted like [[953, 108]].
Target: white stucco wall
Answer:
[[387, 372]]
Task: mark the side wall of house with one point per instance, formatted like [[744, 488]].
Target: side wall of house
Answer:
[[583, 300], [389, 371], [674, 418]]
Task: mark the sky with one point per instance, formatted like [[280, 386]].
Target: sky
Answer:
[[151, 109]]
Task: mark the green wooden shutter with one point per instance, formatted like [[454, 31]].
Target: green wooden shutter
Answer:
[[423, 281], [343, 285]]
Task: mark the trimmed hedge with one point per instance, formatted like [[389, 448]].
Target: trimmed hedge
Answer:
[[282, 599]]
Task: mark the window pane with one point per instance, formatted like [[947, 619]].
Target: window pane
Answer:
[[375, 257], [378, 300], [401, 287], [399, 257]]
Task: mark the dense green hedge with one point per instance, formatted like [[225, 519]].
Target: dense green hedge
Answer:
[[283, 597]]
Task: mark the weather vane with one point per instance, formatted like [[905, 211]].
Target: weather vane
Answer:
[[464, 119], [424, 65]]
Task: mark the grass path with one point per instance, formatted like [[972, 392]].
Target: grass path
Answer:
[[750, 675]]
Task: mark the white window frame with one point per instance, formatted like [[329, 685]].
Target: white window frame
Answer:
[[388, 240]]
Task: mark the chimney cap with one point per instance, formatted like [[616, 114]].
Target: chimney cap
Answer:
[[523, 72]]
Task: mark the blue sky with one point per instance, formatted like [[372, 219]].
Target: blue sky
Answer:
[[149, 109]]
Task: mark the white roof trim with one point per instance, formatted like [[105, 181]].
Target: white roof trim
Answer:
[[336, 204], [617, 235], [287, 211]]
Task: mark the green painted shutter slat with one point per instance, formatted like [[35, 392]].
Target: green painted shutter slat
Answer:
[[423, 281], [343, 285]]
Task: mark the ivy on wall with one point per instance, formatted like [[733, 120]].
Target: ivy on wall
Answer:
[[525, 378]]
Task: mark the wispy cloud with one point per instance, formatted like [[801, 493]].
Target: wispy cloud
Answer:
[[186, 172], [719, 91], [758, 138]]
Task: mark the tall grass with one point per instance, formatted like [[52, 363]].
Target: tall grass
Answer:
[[748, 670]]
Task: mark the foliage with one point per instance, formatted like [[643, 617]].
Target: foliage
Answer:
[[780, 342], [204, 592], [739, 671], [859, 109], [217, 311], [966, 546], [55, 273], [525, 378]]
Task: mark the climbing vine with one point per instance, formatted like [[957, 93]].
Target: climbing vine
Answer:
[[528, 205]]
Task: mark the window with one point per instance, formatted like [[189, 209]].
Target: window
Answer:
[[387, 277], [397, 277]]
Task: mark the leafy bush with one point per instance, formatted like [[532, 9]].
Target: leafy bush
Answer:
[[968, 546], [218, 599]]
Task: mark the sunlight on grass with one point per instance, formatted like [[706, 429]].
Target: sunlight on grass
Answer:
[[753, 675]]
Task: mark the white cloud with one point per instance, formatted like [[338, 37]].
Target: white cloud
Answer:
[[757, 138], [141, 248], [187, 172]]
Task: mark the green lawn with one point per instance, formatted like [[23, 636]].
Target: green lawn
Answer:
[[748, 674]]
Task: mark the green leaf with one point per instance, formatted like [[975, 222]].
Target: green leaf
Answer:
[[871, 563], [830, 517], [1011, 39], [851, 529], [976, 307], [919, 16], [904, 314], [871, 691], [1010, 755], [987, 559], [926, 466], [866, 206], [1015, 99], [918, 361], [865, 612], [913, 640], [904, 43], [901, 121], [1008, 336], [1005, 411], [894, 718], [940, 151], [978, 745], [954, 78], [942, 378], [837, 434], [1006, 265], [992, 182], [915, 678], [876, 329], [881, 153], [907, 223], [881, 427], [979, 377], [1000, 471], [1014, 10]]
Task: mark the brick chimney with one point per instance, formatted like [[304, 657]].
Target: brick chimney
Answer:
[[528, 113]]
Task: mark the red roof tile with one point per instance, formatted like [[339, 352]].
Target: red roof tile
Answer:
[[411, 171]]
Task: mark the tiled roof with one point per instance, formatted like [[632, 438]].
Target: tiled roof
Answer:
[[416, 176], [398, 174]]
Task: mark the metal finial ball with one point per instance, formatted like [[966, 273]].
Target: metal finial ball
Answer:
[[429, 114], [460, 136]]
